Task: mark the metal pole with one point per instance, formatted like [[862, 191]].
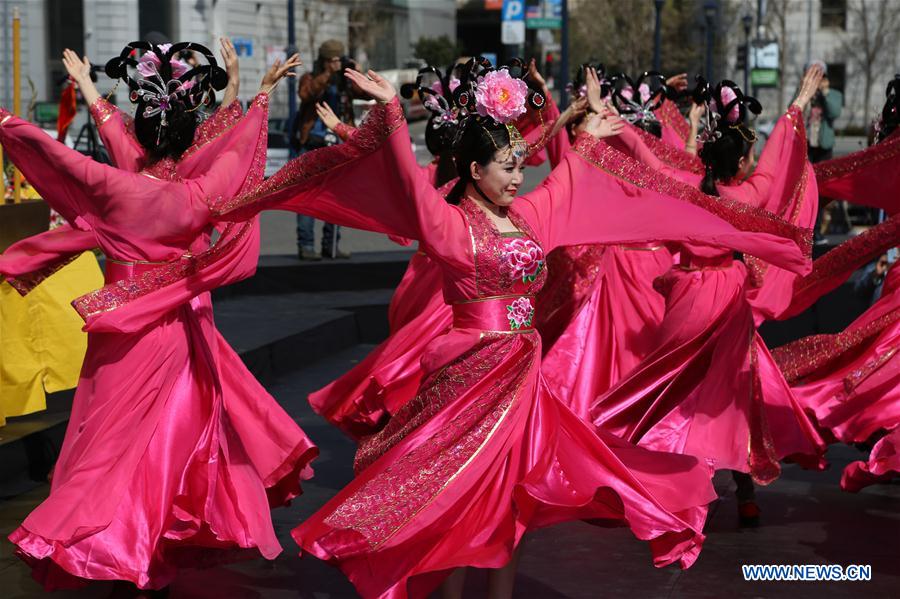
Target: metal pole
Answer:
[[564, 57], [291, 49], [657, 37], [17, 92], [809, 20], [747, 25]]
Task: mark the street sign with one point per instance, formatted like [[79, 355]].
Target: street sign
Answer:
[[512, 30], [764, 77], [243, 46], [764, 55], [543, 14]]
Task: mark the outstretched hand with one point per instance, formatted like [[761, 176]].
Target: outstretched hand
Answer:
[[678, 82], [604, 126], [230, 59], [809, 86], [594, 91], [278, 71], [327, 116], [372, 84], [79, 69]]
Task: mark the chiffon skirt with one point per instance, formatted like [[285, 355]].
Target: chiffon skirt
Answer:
[[483, 454], [612, 331], [710, 388], [172, 457]]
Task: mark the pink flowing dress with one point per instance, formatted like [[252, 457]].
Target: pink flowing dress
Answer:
[[710, 387], [485, 453], [600, 312], [849, 381], [166, 458], [360, 401]]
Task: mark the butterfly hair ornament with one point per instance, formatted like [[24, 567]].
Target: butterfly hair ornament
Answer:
[[726, 107], [158, 80], [637, 101]]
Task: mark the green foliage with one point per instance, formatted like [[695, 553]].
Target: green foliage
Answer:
[[437, 51]]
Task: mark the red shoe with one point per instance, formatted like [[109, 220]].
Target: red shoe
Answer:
[[748, 514]]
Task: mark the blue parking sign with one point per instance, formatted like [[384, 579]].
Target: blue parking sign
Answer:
[[513, 10]]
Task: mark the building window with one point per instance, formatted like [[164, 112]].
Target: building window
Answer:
[[837, 76], [833, 14], [65, 29]]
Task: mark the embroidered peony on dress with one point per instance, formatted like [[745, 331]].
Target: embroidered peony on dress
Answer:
[[156, 471], [484, 452], [710, 387]]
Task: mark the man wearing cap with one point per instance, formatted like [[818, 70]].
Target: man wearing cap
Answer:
[[825, 108], [324, 84]]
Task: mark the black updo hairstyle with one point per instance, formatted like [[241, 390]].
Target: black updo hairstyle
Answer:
[[725, 140], [169, 135], [441, 128], [463, 136], [635, 110], [890, 114]]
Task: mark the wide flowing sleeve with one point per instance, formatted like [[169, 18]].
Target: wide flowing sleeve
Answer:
[[132, 304], [774, 184], [372, 182], [833, 268], [655, 152], [599, 195], [117, 135], [782, 183], [214, 136], [869, 177], [30, 261], [73, 184]]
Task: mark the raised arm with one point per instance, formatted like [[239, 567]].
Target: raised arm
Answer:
[[372, 182], [599, 195], [72, 183]]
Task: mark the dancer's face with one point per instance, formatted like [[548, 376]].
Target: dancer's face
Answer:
[[501, 178]]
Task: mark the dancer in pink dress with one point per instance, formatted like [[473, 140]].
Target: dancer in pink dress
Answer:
[[485, 453], [849, 381], [360, 401], [710, 388], [156, 471], [615, 325]]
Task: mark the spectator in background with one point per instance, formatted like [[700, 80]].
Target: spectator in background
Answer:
[[868, 282], [825, 108], [326, 83]]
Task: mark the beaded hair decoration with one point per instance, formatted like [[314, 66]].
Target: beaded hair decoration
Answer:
[[726, 106], [488, 95], [637, 101], [158, 79]]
